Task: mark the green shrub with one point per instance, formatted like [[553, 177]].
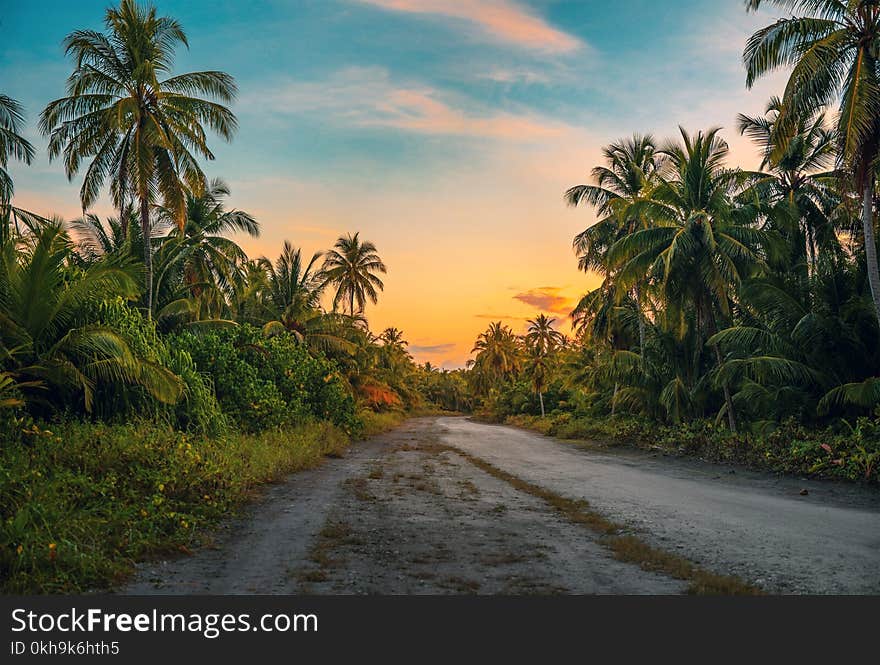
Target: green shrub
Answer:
[[83, 501], [263, 383]]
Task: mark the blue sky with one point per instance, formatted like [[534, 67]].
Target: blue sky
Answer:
[[443, 130]]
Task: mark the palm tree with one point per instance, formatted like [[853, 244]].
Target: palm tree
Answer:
[[832, 50], [498, 355], [292, 304], [628, 177], [207, 264], [541, 334], [541, 339], [47, 333], [794, 182], [393, 337], [12, 144], [701, 245], [140, 130], [352, 266]]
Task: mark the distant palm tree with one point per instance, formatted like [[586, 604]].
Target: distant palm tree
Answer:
[[622, 186], [834, 55], [541, 334], [12, 144], [794, 179], [140, 130], [352, 266], [542, 339], [498, 356], [393, 337]]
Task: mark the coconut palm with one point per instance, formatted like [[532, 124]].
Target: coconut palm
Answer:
[[542, 340], [627, 178], [794, 182], [49, 332], [832, 49], [206, 263], [12, 144], [141, 128], [351, 266], [498, 356], [541, 335], [701, 245]]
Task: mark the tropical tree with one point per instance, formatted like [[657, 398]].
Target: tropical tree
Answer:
[[832, 50], [12, 144], [141, 128], [50, 333], [627, 178], [794, 183], [498, 356], [351, 267], [541, 340], [202, 261], [701, 245]]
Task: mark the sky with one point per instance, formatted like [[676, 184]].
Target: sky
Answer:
[[445, 131]]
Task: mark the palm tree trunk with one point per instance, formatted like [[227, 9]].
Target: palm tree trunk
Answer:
[[614, 399], [641, 324], [541, 399], [148, 254], [728, 400], [871, 244]]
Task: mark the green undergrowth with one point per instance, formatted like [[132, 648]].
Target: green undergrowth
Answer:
[[83, 501], [852, 454]]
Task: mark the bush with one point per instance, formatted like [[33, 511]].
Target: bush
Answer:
[[83, 501], [269, 383], [852, 455]]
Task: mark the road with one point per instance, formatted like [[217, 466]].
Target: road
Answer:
[[403, 513]]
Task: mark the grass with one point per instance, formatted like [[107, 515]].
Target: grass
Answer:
[[83, 502], [624, 547]]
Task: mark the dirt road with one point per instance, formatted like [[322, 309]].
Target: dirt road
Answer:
[[402, 513]]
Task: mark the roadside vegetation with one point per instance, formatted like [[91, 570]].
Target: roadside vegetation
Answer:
[[152, 374], [737, 316]]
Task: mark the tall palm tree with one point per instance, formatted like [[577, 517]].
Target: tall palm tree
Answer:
[[12, 144], [701, 245], [142, 129], [832, 49], [794, 181], [351, 266], [541, 339], [627, 178]]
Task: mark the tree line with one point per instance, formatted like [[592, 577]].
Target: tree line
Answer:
[[745, 298]]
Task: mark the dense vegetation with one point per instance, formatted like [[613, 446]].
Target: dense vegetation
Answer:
[[738, 311], [151, 373]]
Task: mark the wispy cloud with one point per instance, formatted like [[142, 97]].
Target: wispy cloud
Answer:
[[546, 299], [367, 97], [432, 349], [503, 20]]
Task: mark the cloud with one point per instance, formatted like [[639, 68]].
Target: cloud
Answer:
[[546, 299], [503, 20], [433, 348], [366, 97]]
